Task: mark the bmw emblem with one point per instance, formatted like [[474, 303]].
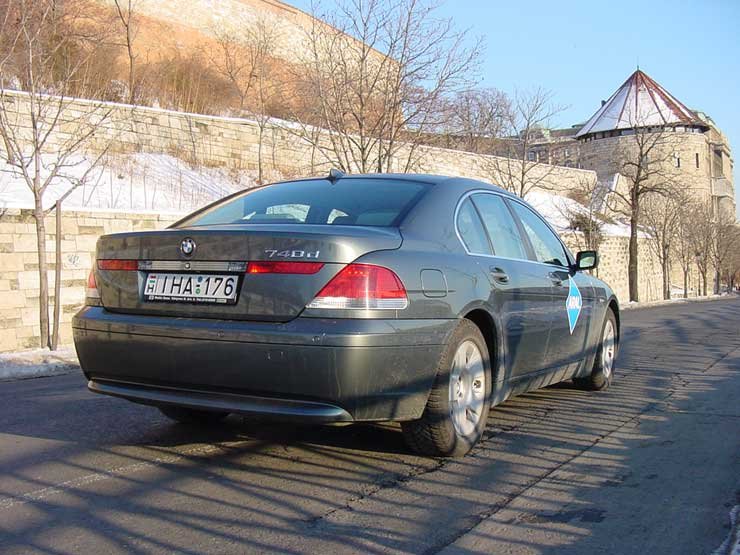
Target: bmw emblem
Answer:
[[187, 246]]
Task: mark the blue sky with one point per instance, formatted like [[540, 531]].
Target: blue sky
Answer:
[[583, 50]]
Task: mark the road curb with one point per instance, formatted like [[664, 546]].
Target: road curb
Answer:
[[672, 302]]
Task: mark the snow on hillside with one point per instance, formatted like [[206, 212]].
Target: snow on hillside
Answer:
[[163, 183], [148, 182], [557, 210]]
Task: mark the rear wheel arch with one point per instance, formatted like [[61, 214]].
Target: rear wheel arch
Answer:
[[487, 326], [614, 307]]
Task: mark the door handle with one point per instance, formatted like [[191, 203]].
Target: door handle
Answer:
[[499, 275], [556, 280]]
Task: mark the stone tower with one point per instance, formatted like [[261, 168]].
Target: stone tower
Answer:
[[693, 150]]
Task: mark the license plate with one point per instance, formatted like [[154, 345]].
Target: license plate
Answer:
[[191, 288]]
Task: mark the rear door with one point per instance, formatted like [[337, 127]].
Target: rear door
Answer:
[[571, 291], [520, 291]]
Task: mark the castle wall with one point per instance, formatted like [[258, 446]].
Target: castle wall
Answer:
[[290, 25], [235, 143]]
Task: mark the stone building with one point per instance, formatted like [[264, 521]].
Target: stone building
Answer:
[[694, 151]]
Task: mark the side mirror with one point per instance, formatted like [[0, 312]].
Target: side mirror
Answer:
[[587, 260]]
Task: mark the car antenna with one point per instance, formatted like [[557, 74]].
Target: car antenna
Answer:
[[335, 175]]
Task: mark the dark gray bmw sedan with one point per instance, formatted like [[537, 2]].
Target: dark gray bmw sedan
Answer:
[[413, 298]]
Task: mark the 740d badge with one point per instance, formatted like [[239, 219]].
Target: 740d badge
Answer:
[[273, 253]]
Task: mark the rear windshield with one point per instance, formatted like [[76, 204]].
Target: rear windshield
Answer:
[[349, 201]]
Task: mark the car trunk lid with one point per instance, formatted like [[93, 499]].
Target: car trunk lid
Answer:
[[226, 250]]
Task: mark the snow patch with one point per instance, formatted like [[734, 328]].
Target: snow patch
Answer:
[[135, 182], [558, 210], [675, 300], [37, 363]]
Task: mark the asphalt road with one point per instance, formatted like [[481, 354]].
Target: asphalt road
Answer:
[[650, 466]]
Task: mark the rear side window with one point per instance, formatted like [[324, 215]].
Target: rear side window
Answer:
[[349, 201], [471, 229], [547, 247], [501, 227]]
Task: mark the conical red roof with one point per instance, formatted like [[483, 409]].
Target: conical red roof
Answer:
[[639, 102]]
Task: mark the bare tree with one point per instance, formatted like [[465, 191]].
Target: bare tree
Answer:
[[644, 158], [661, 219], [684, 244], [476, 119], [586, 216], [702, 238], [266, 90], [377, 76], [31, 123], [233, 60], [519, 167], [126, 16], [75, 182], [732, 268], [725, 242], [245, 59]]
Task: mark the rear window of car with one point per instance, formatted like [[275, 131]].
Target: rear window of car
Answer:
[[349, 201]]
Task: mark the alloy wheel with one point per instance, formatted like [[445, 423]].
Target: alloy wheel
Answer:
[[467, 388]]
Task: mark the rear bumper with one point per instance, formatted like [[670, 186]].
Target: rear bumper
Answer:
[[251, 405], [308, 370]]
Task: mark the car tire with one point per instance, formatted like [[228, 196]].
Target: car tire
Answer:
[[192, 416], [602, 371], [457, 409]]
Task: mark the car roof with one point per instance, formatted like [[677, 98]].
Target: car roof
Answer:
[[463, 183]]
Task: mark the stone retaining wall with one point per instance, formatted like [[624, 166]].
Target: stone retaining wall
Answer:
[[19, 278], [80, 229], [234, 143]]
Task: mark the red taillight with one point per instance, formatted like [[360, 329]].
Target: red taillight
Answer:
[[363, 286], [121, 265], [91, 281], [92, 295], [280, 267]]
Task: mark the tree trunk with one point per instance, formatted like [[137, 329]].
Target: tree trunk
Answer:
[[8, 151], [259, 154], [131, 77], [717, 281], [666, 268], [704, 283], [38, 214], [666, 281], [57, 276], [685, 283], [632, 264]]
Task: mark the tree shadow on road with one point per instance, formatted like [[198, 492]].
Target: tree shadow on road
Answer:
[[95, 474]]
